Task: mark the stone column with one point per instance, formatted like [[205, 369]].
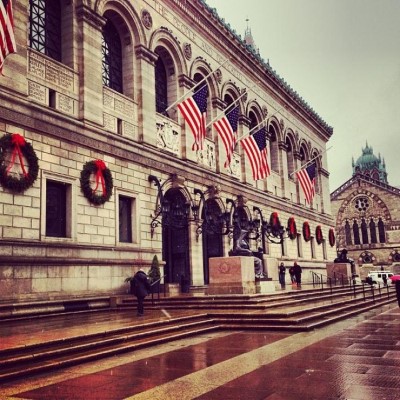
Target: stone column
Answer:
[[146, 61], [90, 27]]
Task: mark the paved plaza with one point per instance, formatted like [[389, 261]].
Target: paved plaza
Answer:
[[358, 358]]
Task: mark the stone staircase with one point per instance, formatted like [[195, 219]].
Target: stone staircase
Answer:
[[185, 316]]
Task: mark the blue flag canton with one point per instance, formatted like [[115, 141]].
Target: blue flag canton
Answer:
[[311, 171], [260, 138], [200, 97], [233, 117]]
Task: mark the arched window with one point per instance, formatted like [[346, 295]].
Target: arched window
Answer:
[[372, 231], [364, 231], [347, 231], [45, 27], [253, 121], [381, 230], [356, 233], [161, 87], [112, 57]]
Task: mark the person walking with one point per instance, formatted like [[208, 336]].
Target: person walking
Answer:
[[297, 273], [141, 288], [282, 272], [292, 277]]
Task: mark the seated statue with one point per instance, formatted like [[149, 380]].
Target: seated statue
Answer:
[[242, 248], [342, 258]]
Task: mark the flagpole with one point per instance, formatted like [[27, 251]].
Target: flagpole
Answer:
[[196, 85], [263, 121], [230, 105], [310, 161]]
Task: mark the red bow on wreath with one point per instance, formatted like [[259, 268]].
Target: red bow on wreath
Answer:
[[101, 166], [17, 141]]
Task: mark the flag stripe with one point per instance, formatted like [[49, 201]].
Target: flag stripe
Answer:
[[7, 38], [226, 128], [255, 147], [193, 110], [306, 177]]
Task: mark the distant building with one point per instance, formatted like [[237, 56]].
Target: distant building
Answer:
[[368, 214]]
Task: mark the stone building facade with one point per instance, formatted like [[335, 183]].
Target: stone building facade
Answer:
[[368, 216], [99, 81]]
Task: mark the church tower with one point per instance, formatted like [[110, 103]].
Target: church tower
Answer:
[[370, 165]]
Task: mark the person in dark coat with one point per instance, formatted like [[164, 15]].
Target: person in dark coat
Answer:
[[292, 277], [282, 272], [297, 273], [398, 291], [141, 288]]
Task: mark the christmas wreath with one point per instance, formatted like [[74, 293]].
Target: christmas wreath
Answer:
[[103, 178], [15, 145], [306, 231], [291, 228], [318, 234], [332, 238]]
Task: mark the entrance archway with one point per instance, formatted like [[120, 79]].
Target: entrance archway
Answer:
[[212, 234], [175, 238]]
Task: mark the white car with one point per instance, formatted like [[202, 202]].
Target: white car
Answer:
[[379, 277]]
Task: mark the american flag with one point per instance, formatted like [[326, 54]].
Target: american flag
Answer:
[[227, 129], [7, 39], [194, 111], [255, 147], [306, 177]]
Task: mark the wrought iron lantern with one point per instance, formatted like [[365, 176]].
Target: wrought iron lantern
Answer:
[[167, 213], [271, 230], [208, 214]]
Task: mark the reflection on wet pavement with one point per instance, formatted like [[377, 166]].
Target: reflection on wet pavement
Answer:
[[356, 359]]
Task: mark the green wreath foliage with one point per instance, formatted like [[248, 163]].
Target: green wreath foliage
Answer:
[[318, 234], [90, 168], [306, 231], [291, 228], [22, 183], [332, 239]]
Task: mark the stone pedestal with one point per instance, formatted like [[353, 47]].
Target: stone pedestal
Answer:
[[339, 270], [231, 275], [265, 286]]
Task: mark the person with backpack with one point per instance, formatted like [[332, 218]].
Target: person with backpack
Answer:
[[140, 288]]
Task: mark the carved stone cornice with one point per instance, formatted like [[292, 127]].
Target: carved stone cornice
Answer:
[[143, 53], [324, 172], [218, 103], [245, 121], [185, 81], [282, 145], [87, 15]]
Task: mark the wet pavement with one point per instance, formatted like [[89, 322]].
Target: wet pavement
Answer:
[[355, 359]]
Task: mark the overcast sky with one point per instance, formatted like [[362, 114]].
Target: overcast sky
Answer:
[[343, 58]]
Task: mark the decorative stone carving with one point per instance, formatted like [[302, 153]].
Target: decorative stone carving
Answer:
[[265, 111], [206, 156], [168, 138], [146, 19], [218, 76], [187, 51], [282, 124], [235, 166]]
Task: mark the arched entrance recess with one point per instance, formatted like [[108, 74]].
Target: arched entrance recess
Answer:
[[175, 237], [212, 234]]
